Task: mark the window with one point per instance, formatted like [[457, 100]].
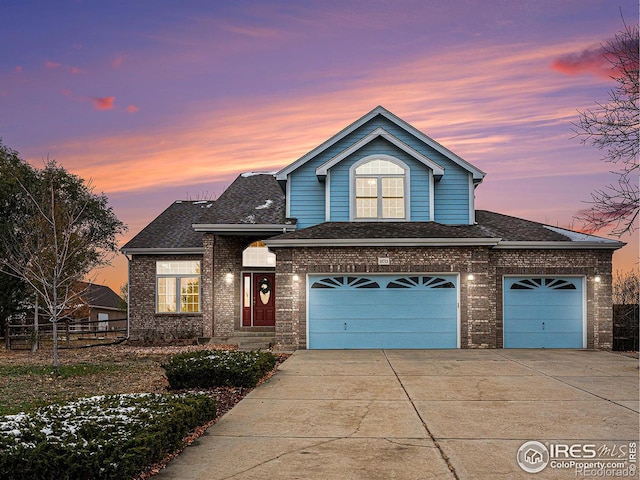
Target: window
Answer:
[[178, 287], [380, 190], [258, 255]]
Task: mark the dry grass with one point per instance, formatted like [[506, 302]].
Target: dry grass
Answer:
[[27, 379]]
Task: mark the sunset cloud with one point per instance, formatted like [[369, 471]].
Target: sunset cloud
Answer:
[[75, 70], [132, 109], [103, 103], [51, 65], [591, 60], [117, 62]]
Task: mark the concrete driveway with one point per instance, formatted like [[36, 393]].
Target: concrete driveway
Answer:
[[422, 414]]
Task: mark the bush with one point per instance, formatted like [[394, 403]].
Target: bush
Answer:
[[106, 437], [218, 368]]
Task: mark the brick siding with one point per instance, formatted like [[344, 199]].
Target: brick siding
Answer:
[[480, 298], [146, 326]]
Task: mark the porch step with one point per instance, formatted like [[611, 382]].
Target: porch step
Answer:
[[247, 341]]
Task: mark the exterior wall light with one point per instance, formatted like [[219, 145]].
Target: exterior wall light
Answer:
[[597, 279], [228, 278], [471, 277], [296, 278]]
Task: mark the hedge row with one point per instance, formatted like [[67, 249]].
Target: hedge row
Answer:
[[106, 437], [217, 368]]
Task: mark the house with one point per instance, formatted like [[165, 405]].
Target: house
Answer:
[[100, 307], [370, 240]]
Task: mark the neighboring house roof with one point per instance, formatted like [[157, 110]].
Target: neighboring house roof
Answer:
[[253, 203], [494, 229], [100, 296], [171, 231], [478, 174]]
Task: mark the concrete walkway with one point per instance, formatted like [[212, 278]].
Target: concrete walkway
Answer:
[[417, 415]]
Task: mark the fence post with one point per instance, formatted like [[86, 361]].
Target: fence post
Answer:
[[7, 342], [67, 333]]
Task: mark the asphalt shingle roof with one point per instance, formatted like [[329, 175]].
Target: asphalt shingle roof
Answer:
[[250, 199], [172, 228], [259, 199], [489, 225], [100, 296]]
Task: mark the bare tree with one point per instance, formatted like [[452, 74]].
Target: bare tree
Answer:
[[626, 288], [63, 232], [613, 127]]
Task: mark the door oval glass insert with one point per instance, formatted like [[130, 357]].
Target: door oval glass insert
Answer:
[[264, 287]]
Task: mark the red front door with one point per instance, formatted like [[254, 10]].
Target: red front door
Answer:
[[259, 306]]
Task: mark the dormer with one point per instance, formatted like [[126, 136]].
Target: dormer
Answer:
[[380, 169]]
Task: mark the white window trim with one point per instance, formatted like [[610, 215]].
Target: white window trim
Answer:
[[178, 277], [352, 189]]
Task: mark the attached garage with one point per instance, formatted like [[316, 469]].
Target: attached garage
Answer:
[[544, 312], [382, 311]]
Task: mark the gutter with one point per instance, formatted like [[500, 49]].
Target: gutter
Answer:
[[571, 245], [496, 243], [381, 242], [163, 251], [244, 228]]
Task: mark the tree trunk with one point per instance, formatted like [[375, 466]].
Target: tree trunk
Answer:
[[55, 345], [36, 320]]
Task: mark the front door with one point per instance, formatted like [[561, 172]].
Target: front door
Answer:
[[259, 306]]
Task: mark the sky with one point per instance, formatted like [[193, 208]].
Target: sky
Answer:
[[157, 100]]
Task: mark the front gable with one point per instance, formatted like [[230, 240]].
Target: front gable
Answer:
[[438, 184]]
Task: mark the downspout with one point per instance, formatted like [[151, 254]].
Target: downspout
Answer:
[[128, 297]]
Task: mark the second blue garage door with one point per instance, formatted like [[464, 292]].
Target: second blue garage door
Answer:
[[382, 311], [543, 312]]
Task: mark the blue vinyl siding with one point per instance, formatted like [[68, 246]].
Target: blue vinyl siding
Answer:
[[543, 312], [451, 194], [451, 199], [418, 316], [306, 196], [418, 177]]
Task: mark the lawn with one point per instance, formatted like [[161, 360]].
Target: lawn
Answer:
[[27, 380]]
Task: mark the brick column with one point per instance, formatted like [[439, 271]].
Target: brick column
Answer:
[[206, 288]]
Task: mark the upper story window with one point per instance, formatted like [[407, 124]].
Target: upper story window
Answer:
[[380, 190], [178, 286]]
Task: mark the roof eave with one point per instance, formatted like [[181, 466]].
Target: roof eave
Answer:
[[560, 245], [477, 174], [163, 251], [380, 242], [244, 228], [322, 170]]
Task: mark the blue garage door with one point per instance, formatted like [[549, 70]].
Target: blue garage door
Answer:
[[543, 312], [382, 311]]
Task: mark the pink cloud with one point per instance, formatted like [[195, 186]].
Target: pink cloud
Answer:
[[132, 108], [103, 103], [19, 68], [49, 64], [117, 62], [75, 70], [590, 60]]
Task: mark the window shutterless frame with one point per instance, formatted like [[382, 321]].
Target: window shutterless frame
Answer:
[[178, 286], [379, 189]]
